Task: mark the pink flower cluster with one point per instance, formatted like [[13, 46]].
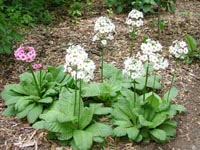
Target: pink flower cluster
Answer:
[[37, 66], [26, 53]]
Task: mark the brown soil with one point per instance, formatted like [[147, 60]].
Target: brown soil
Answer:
[[50, 43]]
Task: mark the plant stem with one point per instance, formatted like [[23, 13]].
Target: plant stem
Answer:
[[172, 82], [146, 80], [40, 79], [134, 91], [79, 105], [34, 78], [102, 57], [75, 93], [132, 37], [171, 86]]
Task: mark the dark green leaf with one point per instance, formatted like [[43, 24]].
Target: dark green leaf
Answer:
[[159, 134]]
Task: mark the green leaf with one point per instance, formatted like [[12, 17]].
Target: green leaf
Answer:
[[154, 100], [119, 131], [192, 44], [9, 111], [85, 117], [170, 94], [99, 109], [39, 125], [169, 130], [46, 100], [55, 126], [99, 129], [98, 139], [158, 119], [82, 139], [159, 134], [132, 133], [139, 138], [34, 113], [21, 103], [121, 123], [92, 89], [25, 112], [143, 121]]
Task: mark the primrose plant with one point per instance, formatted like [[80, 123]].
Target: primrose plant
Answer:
[[134, 20], [185, 50], [104, 30], [68, 120], [36, 91], [148, 116]]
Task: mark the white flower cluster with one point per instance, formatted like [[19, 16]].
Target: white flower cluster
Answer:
[[151, 53], [135, 18], [104, 30], [133, 68], [178, 49], [78, 64], [151, 46]]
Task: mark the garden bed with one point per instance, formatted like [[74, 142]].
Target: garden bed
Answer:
[[50, 43]]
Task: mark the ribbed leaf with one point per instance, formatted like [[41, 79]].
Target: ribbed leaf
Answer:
[[85, 118], [34, 113], [159, 134], [82, 139], [119, 131], [132, 133], [100, 129]]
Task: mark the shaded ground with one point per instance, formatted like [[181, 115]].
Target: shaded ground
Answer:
[[50, 43]]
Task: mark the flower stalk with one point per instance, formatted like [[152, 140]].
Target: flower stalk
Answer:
[[34, 78]]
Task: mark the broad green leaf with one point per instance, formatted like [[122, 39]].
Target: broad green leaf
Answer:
[[21, 103], [85, 117], [192, 44], [56, 126], [170, 94], [179, 108], [96, 89], [82, 139], [65, 136], [99, 129], [173, 110], [39, 125], [121, 123], [143, 121], [25, 112], [34, 113], [9, 111], [139, 138], [46, 100], [158, 119], [172, 123], [99, 109], [50, 92], [118, 114], [132, 133], [154, 100], [159, 134], [170, 130], [98, 139], [119, 131], [57, 73]]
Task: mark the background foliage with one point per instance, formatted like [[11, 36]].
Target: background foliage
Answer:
[[23, 13], [144, 5]]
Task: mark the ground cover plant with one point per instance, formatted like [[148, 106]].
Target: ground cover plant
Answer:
[[129, 102]]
